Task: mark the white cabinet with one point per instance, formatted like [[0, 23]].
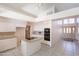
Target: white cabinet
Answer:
[[7, 44], [30, 46]]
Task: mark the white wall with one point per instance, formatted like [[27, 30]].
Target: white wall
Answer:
[[56, 33], [39, 26]]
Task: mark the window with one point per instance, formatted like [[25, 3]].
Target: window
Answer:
[[65, 21], [69, 21], [78, 20]]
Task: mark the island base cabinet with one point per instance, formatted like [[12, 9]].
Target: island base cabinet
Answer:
[[28, 48]]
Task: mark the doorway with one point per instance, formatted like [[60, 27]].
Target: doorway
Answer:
[[69, 29], [69, 32]]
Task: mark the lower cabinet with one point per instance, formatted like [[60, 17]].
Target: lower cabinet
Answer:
[[30, 47]]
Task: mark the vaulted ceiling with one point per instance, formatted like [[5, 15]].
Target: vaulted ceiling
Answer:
[[31, 11]]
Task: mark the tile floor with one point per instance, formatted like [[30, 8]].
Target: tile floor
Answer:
[[61, 48]]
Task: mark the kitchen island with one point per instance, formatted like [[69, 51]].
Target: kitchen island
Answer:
[[29, 47]]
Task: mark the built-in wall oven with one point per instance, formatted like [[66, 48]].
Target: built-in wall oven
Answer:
[[47, 34]]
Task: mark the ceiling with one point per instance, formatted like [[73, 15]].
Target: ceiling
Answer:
[[23, 11], [31, 11], [65, 6], [34, 9]]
